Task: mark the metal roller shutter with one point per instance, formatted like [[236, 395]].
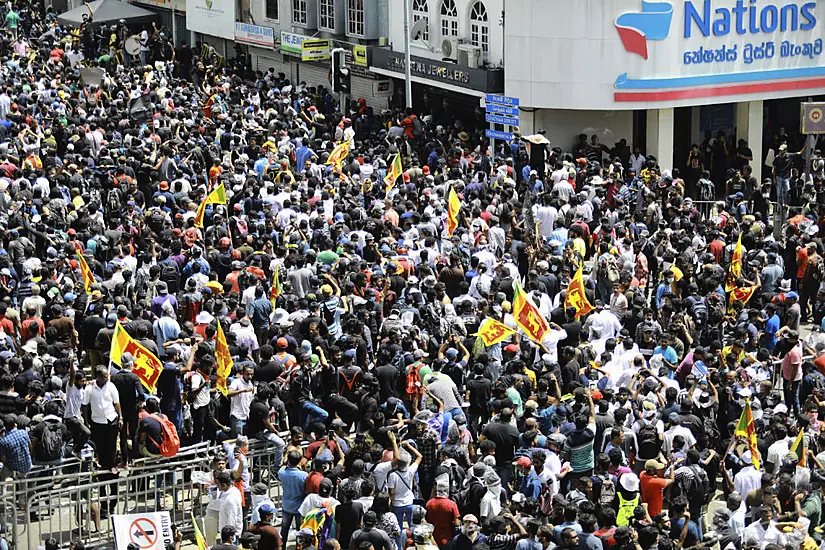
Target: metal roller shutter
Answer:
[[361, 87], [313, 75], [214, 41], [266, 59]]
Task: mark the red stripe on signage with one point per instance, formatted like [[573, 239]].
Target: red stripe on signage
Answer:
[[719, 91]]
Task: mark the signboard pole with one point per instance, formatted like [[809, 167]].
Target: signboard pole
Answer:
[[341, 97], [407, 56], [502, 110]]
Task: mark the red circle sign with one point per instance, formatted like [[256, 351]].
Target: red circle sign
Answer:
[[815, 115], [143, 533]]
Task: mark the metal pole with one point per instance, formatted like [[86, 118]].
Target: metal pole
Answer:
[[407, 68], [341, 98]]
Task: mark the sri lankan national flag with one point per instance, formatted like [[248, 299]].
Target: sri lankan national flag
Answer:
[[735, 268], [276, 288], [217, 196], [199, 540], [575, 296], [338, 155], [740, 294], [801, 449], [453, 207], [395, 172], [147, 367], [223, 359], [85, 272], [527, 316], [492, 332], [747, 429]]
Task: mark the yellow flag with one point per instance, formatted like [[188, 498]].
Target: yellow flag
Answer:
[[735, 268], [747, 429], [199, 540], [395, 172], [800, 449], [224, 361], [527, 315], [453, 207], [492, 332], [217, 196], [338, 155], [147, 367], [85, 272], [576, 297]]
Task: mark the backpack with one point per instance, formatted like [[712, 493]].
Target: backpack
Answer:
[[113, 202], [457, 477], [349, 388], [649, 443], [284, 383], [417, 128], [706, 190], [694, 487], [169, 441], [169, 275], [462, 498], [610, 270], [607, 496], [699, 311], [50, 445], [414, 380], [816, 268], [546, 500]]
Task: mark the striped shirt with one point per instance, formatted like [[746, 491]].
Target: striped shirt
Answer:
[[579, 448]]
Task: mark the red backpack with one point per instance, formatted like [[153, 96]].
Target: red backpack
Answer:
[[414, 380], [169, 441]]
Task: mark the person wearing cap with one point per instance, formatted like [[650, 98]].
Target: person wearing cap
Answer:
[[265, 527], [528, 482], [376, 538], [652, 485]]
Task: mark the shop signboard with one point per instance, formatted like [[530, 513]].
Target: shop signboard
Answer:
[[254, 34], [637, 53], [315, 50], [211, 17]]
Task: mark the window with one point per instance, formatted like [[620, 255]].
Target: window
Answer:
[[327, 14], [271, 7], [299, 12], [355, 17], [479, 27], [449, 19], [420, 10]]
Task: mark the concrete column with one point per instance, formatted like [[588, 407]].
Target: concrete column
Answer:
[[755, 137], [742, 110], [652, 145], [666, 139]]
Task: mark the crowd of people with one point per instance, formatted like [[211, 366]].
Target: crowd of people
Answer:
[[533, 350]]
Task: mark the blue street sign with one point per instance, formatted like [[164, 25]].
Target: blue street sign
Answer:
[[506, 120], [502, 100], [495, 134], [501, 110]]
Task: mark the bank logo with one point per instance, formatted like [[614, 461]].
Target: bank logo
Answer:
[[652, 23], [208, 4]]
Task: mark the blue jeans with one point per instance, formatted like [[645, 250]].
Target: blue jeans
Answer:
[[783, 187], [402, 513], [238, 425], [791, 390], [286, 524], [311, 413], [277, 442]]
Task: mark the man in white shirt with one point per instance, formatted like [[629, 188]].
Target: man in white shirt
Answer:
[[230, 513], [240, 399], [73, 413], [199, 381], [764, 532], [400, 483], [105, 417], [748, 479]]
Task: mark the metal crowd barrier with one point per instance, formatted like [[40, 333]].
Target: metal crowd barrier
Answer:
[[70, 502]]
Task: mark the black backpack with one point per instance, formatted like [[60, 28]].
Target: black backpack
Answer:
[[699, 312], [169, 275], [50, 445], [113, 202], [462, 499], [649, 443]]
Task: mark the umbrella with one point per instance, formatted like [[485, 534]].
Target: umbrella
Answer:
[[106, 12]]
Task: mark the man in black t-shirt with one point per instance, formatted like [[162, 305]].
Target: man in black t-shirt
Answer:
[[505, 436], [479, 392]]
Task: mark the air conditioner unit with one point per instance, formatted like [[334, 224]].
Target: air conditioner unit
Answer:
[[469, 55], [449, 48]]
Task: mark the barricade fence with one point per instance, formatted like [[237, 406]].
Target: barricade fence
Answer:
[[69, 501]]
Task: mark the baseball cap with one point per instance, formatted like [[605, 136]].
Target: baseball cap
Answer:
[[524, 461], [451, 353], [467, 517], [653, 464], [267, 508]]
